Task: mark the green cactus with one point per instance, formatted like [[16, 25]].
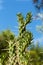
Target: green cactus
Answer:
[[17, 54]]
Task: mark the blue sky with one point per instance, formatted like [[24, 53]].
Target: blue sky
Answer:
[[8, 18]]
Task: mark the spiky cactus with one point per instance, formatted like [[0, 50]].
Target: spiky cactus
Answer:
[[18, 55], [23, 40]]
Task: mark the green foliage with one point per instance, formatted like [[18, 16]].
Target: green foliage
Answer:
[[36, 54], [5, 36]]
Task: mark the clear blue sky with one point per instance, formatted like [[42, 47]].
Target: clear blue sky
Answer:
[[8, 18]]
